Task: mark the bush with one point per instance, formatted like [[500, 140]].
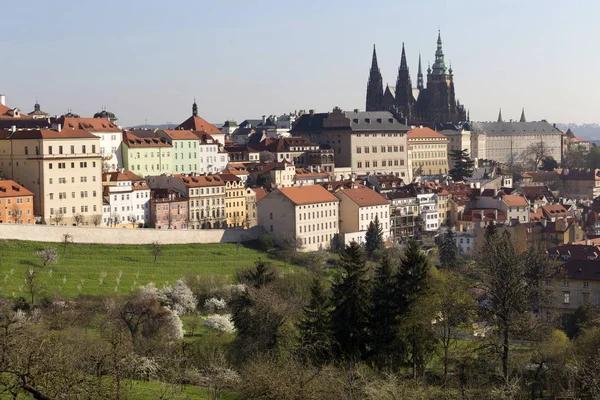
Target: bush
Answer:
[[220, 323], [266, 242]]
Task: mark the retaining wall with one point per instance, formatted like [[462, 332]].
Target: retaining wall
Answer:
[[48, 233]]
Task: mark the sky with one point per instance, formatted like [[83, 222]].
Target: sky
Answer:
[[146, 60]]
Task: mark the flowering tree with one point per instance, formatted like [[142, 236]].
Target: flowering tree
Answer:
[[213, 304], [220, 323]]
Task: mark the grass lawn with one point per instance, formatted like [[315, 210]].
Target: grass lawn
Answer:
[[138, 390], [95, 269]]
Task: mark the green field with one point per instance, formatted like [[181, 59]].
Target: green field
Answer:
[[94, 269]]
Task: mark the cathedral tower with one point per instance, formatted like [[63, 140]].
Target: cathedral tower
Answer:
[[374, 86], [404, 97]]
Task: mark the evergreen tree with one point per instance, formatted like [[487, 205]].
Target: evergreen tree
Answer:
[[351, 305], [384, 316], [315, 326], [412, 283], [463, 165], [374, 237], [490, 232], [449, 255]]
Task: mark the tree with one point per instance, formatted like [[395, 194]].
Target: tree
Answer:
[[47, 256], [411, 283], [132, 220], [514, 283], [383, 320], [78, 218], [315, 325], [463, 165], [15, 213], [67, 238], [155, 249], [593, 158], [533, 155], [351, 305], [96, 219], [374, 237], [491, 230], [262, 274], [548, 164], [32, 284], [267, 157], [449, 254], [58, 217]]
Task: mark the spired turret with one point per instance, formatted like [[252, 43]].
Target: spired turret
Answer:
[[374, 86]]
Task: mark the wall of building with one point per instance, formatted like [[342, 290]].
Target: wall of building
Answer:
[[47, 233]]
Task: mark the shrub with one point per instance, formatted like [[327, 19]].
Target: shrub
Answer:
[[266, 242]]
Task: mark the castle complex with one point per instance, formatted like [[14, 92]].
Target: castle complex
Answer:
[[434, 104]]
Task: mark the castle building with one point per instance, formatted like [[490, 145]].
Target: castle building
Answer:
[[433, 104]]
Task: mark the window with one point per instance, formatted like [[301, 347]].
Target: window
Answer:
[[26, 150], [83, 149], [374, 149], [586, 284], [72, 149], [93, 148], [358, 149], [566, 298], [60, 149], [49, 149]]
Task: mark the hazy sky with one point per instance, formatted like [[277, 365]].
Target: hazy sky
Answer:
[[148, 59]]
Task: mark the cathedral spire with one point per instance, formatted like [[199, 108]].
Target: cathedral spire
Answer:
[[439, 66], [403, 63], [420, 75], [523, 116], [374, 85], [194, 108], [500, 116]]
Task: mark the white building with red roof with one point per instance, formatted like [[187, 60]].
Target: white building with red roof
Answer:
[[358, 208], [126, 199]]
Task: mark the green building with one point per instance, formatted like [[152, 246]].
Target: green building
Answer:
[[146, 153]]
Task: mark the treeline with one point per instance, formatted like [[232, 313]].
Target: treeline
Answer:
[[368, 323]]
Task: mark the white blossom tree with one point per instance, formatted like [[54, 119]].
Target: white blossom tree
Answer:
[[220, 323]]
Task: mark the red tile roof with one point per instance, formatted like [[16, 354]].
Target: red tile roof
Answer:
[[9, 188], [180, 134], [47, 134], [89, 124], [260, 193], [121, 176], [555, 210], [201, 180], [131, 140], [513, 200], [425, 133], [364, 197], [199, 124], [310, 194]]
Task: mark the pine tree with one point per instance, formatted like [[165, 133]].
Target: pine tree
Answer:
[[384, 316], [351, 305], [491, 230], [315, 326], [449, 255], [374, 237], [412, 283], [463, 165]]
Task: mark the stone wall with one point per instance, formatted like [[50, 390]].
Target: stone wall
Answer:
[[47, 233]]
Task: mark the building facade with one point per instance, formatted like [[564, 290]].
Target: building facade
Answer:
[[428, 152], [358, 208], [146, 155], [128, 198], [16, 204]]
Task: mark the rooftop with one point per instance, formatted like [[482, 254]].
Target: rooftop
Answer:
[[364, 197], [310, 194], [10, 188], [425, 133]]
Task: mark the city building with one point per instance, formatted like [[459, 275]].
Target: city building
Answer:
[[251, 210], [16, 204], [404, 213], [580, 184], [235, 201], [199, 124], [434, 103], [146, 155], [428, 152], [128, 198], [358, 208], [62, 168], [304, 217], [168, 209], [365, 142]]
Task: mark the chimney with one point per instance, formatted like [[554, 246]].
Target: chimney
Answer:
[[356, 110], [58, 127], [495, 214], [311, 112], [544, 222], [2, 99], [264, 119], [13, 128]]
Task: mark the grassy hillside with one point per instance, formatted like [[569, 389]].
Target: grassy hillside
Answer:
[[95, 269]]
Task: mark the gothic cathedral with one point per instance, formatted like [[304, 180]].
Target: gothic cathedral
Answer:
[[431, 105]]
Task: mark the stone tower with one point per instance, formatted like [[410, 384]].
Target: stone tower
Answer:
[[374, 86], [404, 103]]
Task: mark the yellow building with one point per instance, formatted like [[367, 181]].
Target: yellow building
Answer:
[[235, 200], [62, 168], [428, 152]]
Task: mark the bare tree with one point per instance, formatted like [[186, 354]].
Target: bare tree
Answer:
[[78, 218], [15, 213], [116, 219], [58, 217], [267, 157], [534, 154], [133, 220], [155, 249], [47, 256], [32, 284], [96, 219], [66, 239]]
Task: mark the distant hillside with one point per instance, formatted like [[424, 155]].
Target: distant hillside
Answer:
[[587, 131]]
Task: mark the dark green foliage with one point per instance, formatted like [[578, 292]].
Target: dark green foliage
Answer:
[[548, 164], [490, 231], [463, 165], [449, 255], [266, 242], [351, 305], [262, 274], [383, 324], [315, 326], [374, 237], [411, 276], [584, 317]]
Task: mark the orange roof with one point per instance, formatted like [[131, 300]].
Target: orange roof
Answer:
[[121, 176], [260, 193], [180, 134], [199, 124], [47, 134], [364, 197], [513, 200], [228, 177], [201, 180], [310, 194], [89, 124], [425, 133], [10, 188], [555, 210]]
